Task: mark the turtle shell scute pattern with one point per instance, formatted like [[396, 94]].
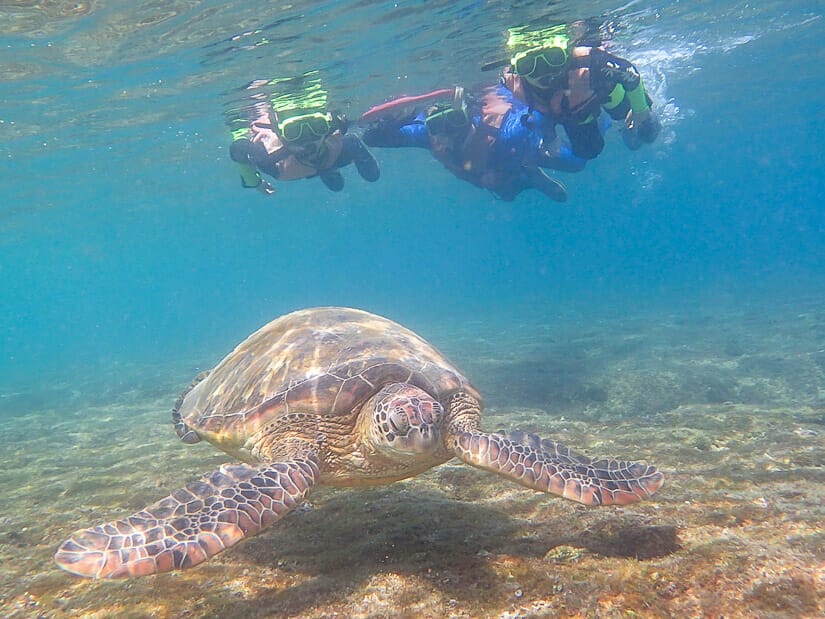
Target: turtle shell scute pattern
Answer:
[[323, 361]]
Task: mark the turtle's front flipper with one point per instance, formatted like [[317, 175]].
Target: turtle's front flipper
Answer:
[[547, 466], [193, 524]]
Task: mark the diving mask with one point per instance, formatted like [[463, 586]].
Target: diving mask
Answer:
[[305, 127], [541, 65]]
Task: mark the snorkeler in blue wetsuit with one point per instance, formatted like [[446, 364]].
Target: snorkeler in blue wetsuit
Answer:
[[499, 145]]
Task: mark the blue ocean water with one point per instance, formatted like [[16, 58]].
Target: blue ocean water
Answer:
[[673, 306], [126, 235]]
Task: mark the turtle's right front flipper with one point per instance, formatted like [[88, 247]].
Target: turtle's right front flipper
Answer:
[[547, 466], [193, 523]]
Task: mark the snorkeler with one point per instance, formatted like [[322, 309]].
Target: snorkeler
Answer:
[[293, 136], [573, 83], [494, 146]]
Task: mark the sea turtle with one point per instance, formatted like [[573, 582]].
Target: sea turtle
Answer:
[[338, 397]]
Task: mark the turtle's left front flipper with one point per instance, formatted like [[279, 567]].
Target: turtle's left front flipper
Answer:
[[193, 523], [545, 465]]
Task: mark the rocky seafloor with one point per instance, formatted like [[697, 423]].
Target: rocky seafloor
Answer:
[[730, 405]]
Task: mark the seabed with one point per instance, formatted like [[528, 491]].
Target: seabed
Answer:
[[730, 406]]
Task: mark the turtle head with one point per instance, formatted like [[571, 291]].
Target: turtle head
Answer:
[[403, 420]]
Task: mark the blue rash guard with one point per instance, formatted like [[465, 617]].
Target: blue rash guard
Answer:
[[520, 140], [530, 136]]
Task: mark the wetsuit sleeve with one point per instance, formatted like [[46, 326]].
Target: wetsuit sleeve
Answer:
[[250, 177], [616, 74], [391, 134], [239, 151]]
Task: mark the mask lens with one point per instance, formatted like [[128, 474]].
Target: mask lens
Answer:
[[525, 65], [318, 125], [291, 131], [555, 56]]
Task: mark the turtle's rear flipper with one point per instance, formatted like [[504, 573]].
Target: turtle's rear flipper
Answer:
[[545, 465], [193, 523]]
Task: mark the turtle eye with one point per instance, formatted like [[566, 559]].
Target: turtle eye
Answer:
[[399, 421]]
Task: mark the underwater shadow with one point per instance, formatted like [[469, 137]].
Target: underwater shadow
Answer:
[[627, 538], [356, 535], [557, 378]]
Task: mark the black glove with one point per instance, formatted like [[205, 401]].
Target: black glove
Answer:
[[649, 129], [630, 136], [339, 122], [265, 188], [634, 133]]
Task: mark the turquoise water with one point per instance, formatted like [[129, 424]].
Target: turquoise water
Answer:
[[131, 258], [126, 234]]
